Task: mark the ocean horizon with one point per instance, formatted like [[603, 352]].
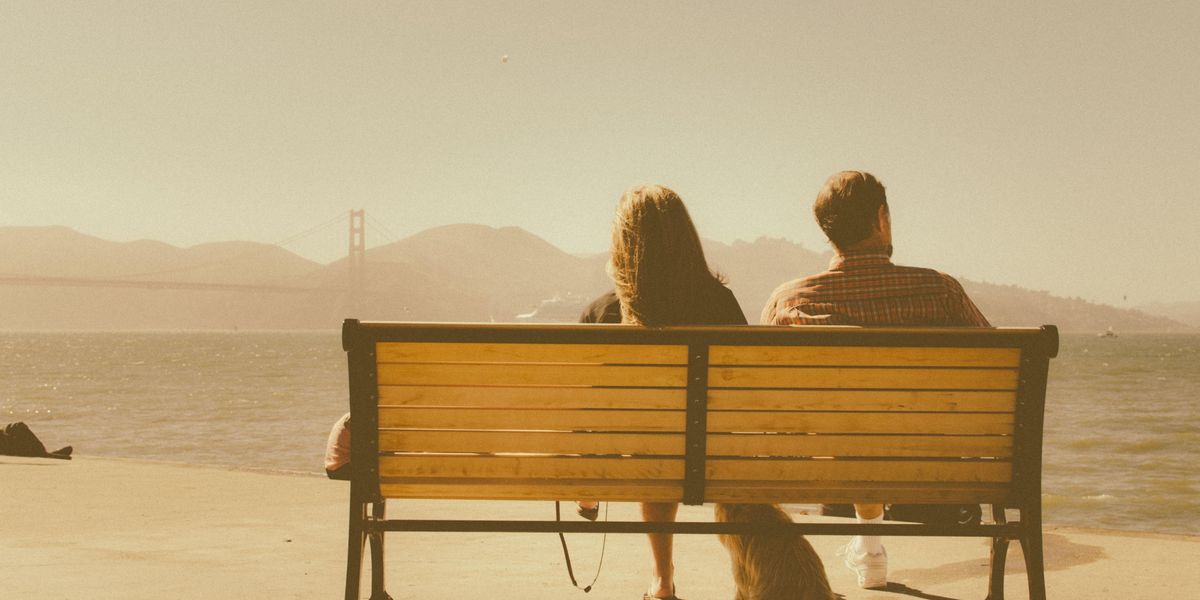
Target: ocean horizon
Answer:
[[1120, 412]]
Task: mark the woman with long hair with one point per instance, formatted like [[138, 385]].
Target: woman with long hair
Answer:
[[660, 278]]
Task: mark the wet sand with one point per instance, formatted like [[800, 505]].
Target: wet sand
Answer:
[[107, 528]]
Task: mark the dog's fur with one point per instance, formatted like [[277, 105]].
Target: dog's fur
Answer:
[[772, 566]]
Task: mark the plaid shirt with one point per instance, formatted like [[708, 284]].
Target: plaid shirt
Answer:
[[866, 289]]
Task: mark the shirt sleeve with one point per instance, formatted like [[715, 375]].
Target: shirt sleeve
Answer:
[[730, 310], [972, 315], [968, 315], [605, 309], [337, 450], [768, 313], [588, 316]]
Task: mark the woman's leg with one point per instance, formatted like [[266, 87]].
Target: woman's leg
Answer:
[[869, 513], [865, 554], [663, 584]]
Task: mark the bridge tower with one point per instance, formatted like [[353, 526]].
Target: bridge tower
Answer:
[[358, 257]]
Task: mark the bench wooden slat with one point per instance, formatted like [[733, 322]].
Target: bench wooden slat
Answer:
[[532, 442], [859, 470], [418, 465], [864, 356], [718, 491], [812, 492], [530, 374], [416, 352], [953, 446], [865, 400], [530, 466], [531, 420], [615, 490], [673, 444], [862, 378], [533, 397], [859, 422]]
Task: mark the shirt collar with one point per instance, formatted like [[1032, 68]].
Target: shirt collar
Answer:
[[861, 258]]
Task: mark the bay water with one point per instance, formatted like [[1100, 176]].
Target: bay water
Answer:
[[1122, 427]]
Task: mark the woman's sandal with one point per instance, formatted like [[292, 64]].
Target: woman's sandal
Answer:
[[648, 596]]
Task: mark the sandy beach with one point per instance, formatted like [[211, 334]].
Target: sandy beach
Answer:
[[123, 529]]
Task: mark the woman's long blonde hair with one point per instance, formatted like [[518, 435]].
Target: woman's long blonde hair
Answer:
[[657, 262]]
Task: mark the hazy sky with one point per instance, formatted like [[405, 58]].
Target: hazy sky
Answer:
[[1055, 147]]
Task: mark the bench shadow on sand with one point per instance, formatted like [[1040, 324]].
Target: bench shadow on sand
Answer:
[[1061, 553]]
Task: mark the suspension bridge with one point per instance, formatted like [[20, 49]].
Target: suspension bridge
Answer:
[[354, 282]]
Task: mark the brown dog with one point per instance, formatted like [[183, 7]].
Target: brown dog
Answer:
[[772, 566]]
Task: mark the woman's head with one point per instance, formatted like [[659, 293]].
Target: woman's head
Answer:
[[657, 262]]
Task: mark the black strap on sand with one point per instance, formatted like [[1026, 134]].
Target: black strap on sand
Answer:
[[567, 553]]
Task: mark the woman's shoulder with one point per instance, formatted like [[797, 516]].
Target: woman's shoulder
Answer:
[[603, 309], [723, 305]]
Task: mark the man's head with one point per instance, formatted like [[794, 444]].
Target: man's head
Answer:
[[852, 210]]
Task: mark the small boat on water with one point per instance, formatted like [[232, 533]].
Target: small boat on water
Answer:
[[1108, 333]]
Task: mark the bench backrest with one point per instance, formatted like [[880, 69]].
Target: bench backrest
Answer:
[[697, 414]]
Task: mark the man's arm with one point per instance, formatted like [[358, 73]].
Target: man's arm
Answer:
[[768, 313], [967, 314]]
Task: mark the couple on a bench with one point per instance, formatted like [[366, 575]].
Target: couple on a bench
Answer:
[[661, 278]]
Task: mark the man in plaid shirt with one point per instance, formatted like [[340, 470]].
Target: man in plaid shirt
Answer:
[[863, 287]]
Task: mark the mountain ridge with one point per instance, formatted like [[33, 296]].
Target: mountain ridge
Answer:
[[462, 272], [1187, 313]]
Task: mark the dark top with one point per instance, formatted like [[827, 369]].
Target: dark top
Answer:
[[720, 307]]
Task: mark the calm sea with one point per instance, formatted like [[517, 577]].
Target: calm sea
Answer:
[[1121, 421]]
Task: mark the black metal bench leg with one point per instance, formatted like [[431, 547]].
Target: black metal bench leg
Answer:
[[354, 552], [377, 565], [999, 555], [1035, 562], [1033, 565]]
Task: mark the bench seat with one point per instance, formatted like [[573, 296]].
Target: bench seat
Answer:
[[694, 415]]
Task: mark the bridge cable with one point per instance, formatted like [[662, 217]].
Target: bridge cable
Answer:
[[243, 256], [383, 229]]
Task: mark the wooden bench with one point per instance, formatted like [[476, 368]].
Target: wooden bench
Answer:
[[697, 414]]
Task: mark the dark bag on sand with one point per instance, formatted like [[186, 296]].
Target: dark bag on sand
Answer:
[[963, 514], [16, 439]]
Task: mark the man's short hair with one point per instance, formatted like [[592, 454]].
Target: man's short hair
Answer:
[[847, 208]]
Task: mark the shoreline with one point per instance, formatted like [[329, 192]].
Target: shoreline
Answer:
[[179, 463], [794, 510], [129, 529]]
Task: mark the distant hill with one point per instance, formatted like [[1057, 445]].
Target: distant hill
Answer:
[[484, 273], [450, 273], [64, 252], [1184, 312], [1009, 305], [755, 269]]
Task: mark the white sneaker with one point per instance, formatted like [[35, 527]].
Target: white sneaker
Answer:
[[870, 568]]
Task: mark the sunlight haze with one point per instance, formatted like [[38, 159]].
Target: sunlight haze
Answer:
[[1055, 147]]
